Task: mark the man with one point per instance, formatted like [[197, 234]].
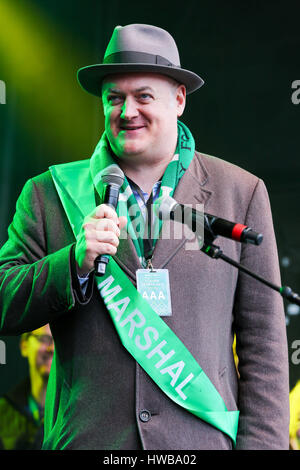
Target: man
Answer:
[[22, 409], [123, 376]]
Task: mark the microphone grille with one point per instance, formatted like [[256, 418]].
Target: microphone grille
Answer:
[[112, 175], [165, 205]]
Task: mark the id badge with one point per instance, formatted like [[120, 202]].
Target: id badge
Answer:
[[154, 286]]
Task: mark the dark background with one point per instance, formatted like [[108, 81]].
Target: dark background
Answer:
[[248, 55]]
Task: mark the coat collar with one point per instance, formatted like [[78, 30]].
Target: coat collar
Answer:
[[193, 189]]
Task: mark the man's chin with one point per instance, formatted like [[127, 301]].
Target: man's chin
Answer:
[[130, 150], [45, 370]]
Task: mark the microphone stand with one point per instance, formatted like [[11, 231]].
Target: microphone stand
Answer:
[[215, 252]]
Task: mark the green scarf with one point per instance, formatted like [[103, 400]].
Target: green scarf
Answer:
[[128, 206]]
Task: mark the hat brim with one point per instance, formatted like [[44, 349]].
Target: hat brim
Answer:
[[91, 76]]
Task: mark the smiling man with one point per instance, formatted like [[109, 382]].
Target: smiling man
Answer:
[[143, 354], [140, 110]]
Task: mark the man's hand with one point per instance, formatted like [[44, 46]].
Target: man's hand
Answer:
[[99, 235]]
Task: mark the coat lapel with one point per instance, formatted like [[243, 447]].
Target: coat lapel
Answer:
[[126, 256]]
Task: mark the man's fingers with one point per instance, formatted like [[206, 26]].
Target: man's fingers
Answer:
[[110, 221], [100, 248], [107, 237], [108, 225], [122, 221], [99, 234], [105, 212]]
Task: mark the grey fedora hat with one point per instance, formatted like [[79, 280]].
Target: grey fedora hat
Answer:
[[138, 48]]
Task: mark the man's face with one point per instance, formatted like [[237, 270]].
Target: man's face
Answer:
[[141, 111], [38, 348]]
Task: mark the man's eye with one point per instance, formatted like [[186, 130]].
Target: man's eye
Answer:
[[114, 99], [145, 96]]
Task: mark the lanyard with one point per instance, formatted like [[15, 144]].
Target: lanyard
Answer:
[[147, 240]]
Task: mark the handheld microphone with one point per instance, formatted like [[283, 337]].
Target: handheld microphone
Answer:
[[213, 226], [112, 177]]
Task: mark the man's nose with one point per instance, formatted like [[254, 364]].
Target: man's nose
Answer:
[[50, 347], [129, 109]]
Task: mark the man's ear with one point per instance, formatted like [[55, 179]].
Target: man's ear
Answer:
[[180, 99]]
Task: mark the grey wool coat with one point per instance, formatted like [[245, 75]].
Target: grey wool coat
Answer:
[[96, 390]]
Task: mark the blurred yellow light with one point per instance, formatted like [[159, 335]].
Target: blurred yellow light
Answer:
[[41, 63]]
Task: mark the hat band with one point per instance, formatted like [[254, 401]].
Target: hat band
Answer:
[[134, 57]]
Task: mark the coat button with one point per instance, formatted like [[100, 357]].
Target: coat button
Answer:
[[145, 416]]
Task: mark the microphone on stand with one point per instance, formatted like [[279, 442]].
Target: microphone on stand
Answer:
[[112, 177], [168, 208]]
